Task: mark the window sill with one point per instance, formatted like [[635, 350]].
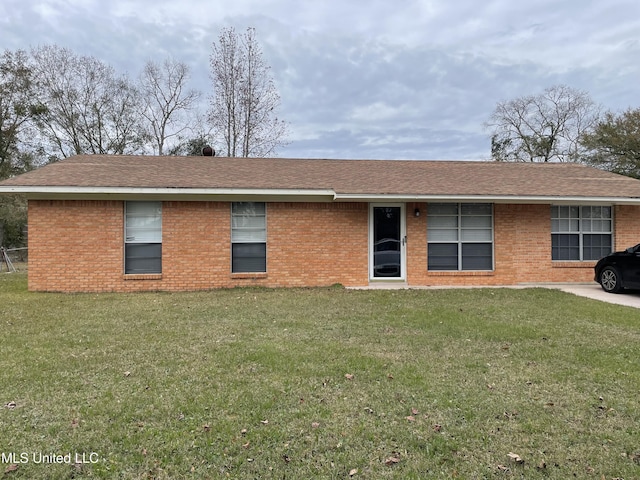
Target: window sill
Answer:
[[249, 275], [573, 264], [142, 276], [461, 273]]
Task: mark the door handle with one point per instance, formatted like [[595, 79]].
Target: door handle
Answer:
[[404, 240]]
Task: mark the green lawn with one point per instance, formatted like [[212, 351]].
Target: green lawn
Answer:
[[318, 383]]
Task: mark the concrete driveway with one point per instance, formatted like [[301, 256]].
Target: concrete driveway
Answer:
[[594, 291]]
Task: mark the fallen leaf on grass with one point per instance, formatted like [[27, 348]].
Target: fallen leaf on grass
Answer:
[[515, 457], [10, 405], [348, 376], [315, 425], [74, 423], [414, 411], [391, 461], [437, 427], [206, 427], [411, 418], [264, 422], [246, 445], [353, 471], [11, 468], [127, 373]]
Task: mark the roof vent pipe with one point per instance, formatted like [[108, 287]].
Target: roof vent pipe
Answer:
[[207, 151]]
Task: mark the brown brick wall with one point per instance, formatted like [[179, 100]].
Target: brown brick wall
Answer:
[[75, 245], [78, 246], [524, 231], [196, 245], [522, 248], [627, 226], [317, 244]]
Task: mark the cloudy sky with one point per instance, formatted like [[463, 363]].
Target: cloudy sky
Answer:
[[402, 79]]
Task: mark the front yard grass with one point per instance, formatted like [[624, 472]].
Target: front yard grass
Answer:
[[318, 383]]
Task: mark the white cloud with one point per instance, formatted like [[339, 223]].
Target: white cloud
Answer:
[[368, 78], [377, 111]]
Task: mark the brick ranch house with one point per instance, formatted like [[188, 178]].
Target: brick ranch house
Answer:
[[137, 223]]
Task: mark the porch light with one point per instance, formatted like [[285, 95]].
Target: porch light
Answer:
[[416, 212]]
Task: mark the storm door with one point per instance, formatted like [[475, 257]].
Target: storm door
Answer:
[[387, 242]]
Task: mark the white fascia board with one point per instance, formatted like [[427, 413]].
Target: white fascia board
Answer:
[[58, 192], [525, 199], [319, 195]]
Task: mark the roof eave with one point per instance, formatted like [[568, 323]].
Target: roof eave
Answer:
[[291, 195], [512, 199], [170, 194]]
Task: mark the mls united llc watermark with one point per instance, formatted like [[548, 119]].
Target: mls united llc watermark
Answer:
[[71, 458]]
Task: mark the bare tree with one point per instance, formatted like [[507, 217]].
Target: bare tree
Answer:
[[167, 101], [90, 109], [18, 109], [542, 128], [245, 100]]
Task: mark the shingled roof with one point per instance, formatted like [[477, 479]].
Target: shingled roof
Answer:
[[93, 176]]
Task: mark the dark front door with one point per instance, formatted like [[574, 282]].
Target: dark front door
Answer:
[[387, 242]]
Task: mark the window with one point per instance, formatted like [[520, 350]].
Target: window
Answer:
[[143, 237], [580, 232], [460, 236], [248, 237]]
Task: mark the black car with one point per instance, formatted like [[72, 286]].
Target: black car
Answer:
[[619, 270]]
